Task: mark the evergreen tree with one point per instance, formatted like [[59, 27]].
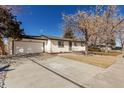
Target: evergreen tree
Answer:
[[68, 33], [9, 26]]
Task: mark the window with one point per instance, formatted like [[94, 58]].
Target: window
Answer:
[[82, 44], [60, 43], [75, 43]]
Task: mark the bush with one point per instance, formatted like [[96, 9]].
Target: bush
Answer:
[[94, 49], [117, 48]]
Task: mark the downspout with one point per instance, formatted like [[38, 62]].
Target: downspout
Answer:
[[13, 47]]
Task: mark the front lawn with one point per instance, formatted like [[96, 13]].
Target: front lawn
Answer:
[[97, 60]]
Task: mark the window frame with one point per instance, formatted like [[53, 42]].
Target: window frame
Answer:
[[75, 43], [60, 43], [82, 44]]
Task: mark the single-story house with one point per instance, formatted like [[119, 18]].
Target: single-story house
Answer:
[[48, 44]]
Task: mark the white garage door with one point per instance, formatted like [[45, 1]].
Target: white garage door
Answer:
[[27, 47]]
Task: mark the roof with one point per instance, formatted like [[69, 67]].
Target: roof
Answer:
[[34, 37], [44, 37]]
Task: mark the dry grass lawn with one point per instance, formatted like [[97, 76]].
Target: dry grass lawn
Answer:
[[107, 54], [97, 60]]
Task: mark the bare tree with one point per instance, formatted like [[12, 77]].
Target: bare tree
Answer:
[[110, 24], [84, 25], [98, 26]]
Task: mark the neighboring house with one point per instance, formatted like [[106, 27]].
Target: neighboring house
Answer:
[[103, 47], [49, 44]]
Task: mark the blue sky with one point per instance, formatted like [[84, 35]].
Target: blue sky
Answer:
[[47, 20]]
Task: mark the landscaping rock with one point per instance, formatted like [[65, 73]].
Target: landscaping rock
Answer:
[[4, 64], [2, 78]]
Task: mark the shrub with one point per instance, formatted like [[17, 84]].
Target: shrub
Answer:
[[94, 49]]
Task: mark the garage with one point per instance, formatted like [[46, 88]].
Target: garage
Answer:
[[24, 47]]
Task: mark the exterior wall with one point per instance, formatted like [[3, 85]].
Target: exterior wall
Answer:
[[78, 47], [50, 46], [56, 48], [10, 40]]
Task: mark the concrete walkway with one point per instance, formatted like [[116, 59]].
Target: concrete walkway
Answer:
[[30, 75], [113, 77]]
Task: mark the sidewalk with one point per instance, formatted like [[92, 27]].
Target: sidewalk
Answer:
[[112, 77]]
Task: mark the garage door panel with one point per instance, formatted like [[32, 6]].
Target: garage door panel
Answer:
[[27, 47]]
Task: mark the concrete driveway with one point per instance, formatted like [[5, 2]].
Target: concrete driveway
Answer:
[[30, 75], [75, 71], [52, 72], [62, 72]]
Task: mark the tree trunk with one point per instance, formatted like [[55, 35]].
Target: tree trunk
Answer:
[[2, 47], [95, 45], [3, 50], [122, 48], [86, 49], [106, 48]]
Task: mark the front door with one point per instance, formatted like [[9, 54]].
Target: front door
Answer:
[[70, 45]]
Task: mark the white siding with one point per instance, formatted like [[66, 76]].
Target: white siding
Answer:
[[10, 46], [78, 47], [48, 46], [56, 48]]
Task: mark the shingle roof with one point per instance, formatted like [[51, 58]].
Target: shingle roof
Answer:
[[48, 37], [34, 37]]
